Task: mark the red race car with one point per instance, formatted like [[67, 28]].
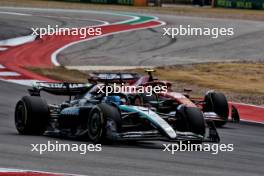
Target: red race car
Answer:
[[214, 105]]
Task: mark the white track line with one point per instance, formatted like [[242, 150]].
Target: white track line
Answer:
[[18, 40], [15, 13], [23, 82], [54, 55], [36, 171], [70, 18], [132, 18], [1, 66], [2, 49], [9, 73], [29, 38], [11, 170], [54, 60], [76, 11], [251, 121]]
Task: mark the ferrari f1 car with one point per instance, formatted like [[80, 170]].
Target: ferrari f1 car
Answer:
[[101, 118], [214, 105]]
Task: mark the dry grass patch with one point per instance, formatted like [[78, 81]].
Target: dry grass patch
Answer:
[[237, 77], [241, 82], [60, 73]]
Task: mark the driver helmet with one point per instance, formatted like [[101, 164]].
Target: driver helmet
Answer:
[[113, 99]]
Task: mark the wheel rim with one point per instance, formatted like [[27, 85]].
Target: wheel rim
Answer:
[[95, 125]]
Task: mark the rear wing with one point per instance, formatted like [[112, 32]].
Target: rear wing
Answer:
[[63, 88], [109, 77]]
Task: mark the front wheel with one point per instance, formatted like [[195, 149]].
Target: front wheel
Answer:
[[101, 118], [190, 119], [217, 102]]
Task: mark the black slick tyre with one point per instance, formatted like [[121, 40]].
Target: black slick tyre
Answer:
[[97, 122], [191, 119], [31, 115], [217, 102]]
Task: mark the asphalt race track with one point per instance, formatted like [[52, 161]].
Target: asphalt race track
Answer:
[[128, 159], [150, 48], [144, 158]]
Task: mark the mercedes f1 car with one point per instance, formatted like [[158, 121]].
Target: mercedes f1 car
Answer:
[[214, 105], [101, 118]]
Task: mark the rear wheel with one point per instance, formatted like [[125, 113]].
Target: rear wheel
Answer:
[[217, 102], [190, 119], [101, 118], [31, 115]]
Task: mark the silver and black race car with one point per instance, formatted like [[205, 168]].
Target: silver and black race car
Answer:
[[102, 118]]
